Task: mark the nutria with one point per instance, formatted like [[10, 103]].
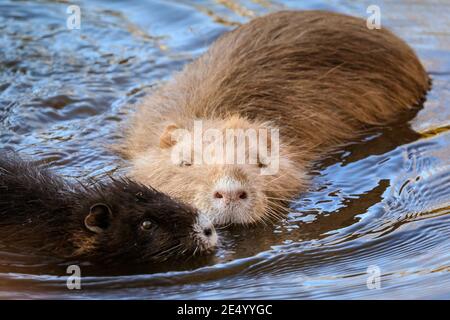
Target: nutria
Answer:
[[116, 222], [320, 78]]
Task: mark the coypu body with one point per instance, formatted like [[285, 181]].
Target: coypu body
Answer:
[[119, 222], [319, 78]]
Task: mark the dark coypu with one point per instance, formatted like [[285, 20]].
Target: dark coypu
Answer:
[[119, 222], [321, 78]]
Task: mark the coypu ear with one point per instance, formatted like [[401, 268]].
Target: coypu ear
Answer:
[[99, 218], [166, 141]]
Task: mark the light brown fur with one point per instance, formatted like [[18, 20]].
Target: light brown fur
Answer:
[[321, 78]]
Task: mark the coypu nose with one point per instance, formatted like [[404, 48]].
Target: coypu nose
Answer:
[[231, 195], [207, 232]]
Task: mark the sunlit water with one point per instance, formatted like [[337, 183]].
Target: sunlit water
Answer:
[[380, 205]]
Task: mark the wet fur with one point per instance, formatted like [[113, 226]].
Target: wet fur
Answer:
[[41, 213], [321, 78]]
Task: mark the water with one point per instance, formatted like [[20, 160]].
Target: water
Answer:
[[381, 205]]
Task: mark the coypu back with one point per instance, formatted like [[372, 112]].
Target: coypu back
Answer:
[[32, 198], [320, 77], [26, 187], [312, 73]]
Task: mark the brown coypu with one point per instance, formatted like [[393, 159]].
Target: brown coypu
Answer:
[[119, 222], [321, 78]]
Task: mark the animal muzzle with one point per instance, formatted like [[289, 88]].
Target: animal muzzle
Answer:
[[205, 235]]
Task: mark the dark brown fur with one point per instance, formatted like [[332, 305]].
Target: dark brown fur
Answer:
[[42, 214]]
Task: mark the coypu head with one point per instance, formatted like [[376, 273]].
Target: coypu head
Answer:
[[234, 170], [126, 219]]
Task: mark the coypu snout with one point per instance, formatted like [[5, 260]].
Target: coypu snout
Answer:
[[205, 235], [230, 200]]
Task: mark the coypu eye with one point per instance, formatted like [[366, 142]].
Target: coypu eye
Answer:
[[185, 164], [139, 196], [146, 225]]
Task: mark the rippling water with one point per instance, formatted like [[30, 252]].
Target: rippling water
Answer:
[[382, 204]]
